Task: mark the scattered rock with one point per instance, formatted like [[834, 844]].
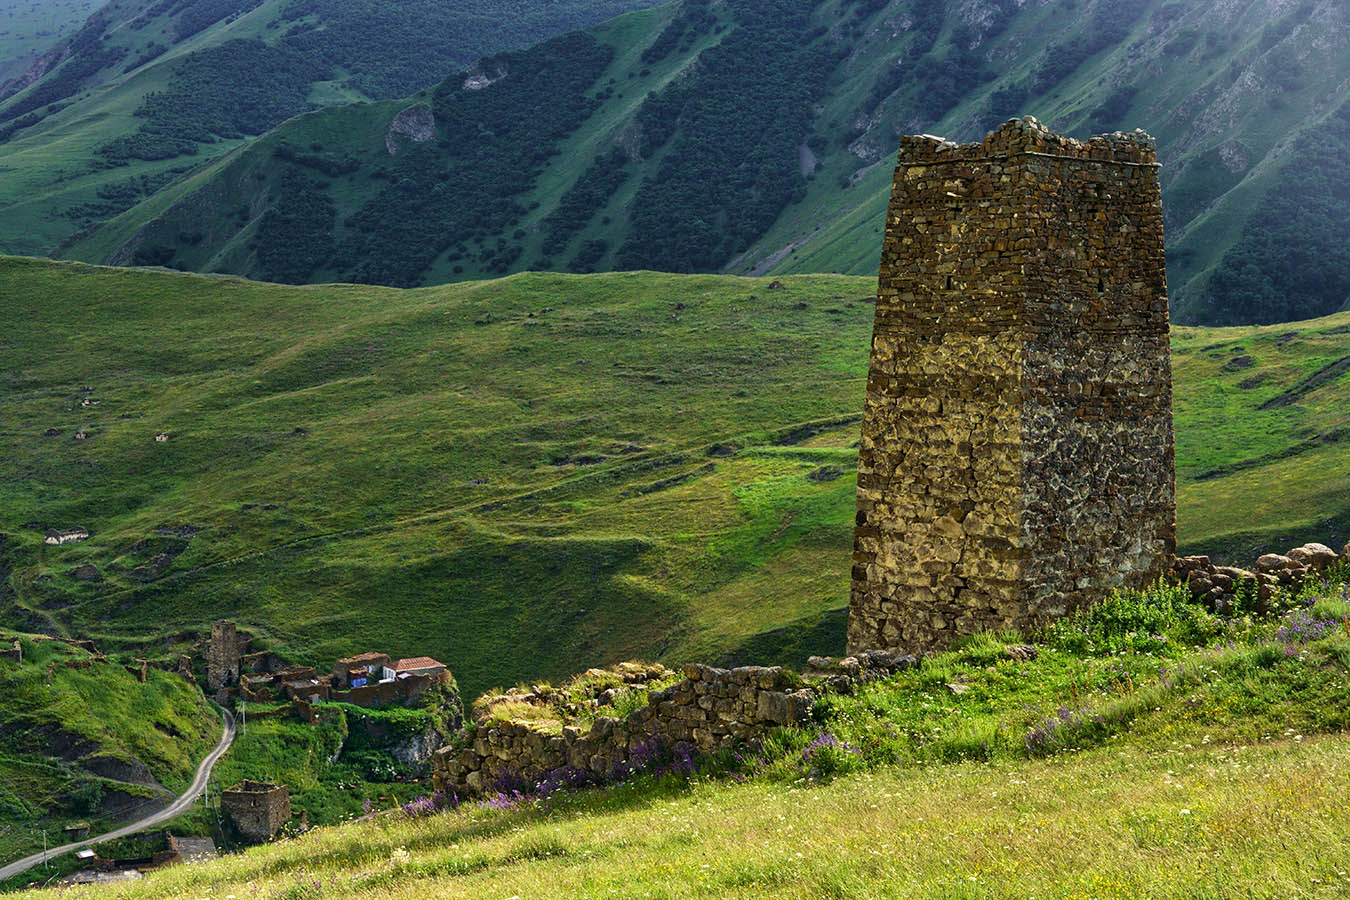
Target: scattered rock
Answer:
[[66, 536], [1315, 556], [777, 286], [87, 572], [1021, 652], [958, 688], [52, 432]]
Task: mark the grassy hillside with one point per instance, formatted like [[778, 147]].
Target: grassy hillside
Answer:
[[82, 739], [29, 27], [527, 476], [1116, 764], [756, 137], [148, 89]]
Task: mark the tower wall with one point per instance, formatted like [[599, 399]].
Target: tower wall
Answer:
[[1016, 459]]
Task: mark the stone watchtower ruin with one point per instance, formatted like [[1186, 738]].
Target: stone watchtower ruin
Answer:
[[1017, 458]]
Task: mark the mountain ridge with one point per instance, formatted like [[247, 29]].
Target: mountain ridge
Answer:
[[759, 145]]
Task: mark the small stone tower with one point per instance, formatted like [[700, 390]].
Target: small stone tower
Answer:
[[1016, 459], [222, 656]]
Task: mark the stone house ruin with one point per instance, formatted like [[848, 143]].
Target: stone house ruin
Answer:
[[256, 809], [1016, 460]]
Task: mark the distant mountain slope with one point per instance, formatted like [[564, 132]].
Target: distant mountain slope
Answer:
[[147, 88], [527, 476], [29, 28], [756, 137]]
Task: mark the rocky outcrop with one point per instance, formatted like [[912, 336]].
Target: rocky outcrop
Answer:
[[416, 123]]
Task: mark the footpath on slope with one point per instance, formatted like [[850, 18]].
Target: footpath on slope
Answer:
[[186, 799]]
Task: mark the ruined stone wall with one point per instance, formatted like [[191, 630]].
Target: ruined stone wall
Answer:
[[708, 709], [1017, 456]]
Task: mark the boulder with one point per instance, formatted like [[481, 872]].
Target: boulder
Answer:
[[1314, 556], [1274, 562], [87, 572]]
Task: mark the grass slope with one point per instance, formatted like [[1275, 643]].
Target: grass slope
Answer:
[[84, 740], [29, 27], [698, 154], [528, 476], [1150, 750]]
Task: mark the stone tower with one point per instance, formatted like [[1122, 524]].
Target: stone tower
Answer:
[[1016, 459], [222, 656]]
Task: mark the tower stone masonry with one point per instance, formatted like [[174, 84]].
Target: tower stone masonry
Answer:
[[1017, 453]]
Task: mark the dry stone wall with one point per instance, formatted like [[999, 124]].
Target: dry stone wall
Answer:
[[1017, 453], [709, 709]]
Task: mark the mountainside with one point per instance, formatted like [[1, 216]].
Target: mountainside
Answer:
[[522, 477], [757, 137], [82, 739], [147, 89], [30, 27]]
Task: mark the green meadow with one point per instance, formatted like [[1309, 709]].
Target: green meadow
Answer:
[[1149, 749], [527, 476]]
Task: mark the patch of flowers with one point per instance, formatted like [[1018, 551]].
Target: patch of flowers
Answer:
[[1054, 732], [429, 803], [1302, 626]]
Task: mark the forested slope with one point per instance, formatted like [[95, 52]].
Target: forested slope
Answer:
[[147, 89], [756, 137]]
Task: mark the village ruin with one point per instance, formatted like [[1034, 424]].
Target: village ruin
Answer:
[[1017, 451], [235, 669]]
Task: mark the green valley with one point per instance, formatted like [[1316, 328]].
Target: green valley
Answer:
[[526, 476], [755, 138]]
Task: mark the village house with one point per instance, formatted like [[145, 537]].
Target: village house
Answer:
[[417, 665], [358, 671]]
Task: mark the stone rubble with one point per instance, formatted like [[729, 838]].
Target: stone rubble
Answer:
[[1218, 586]]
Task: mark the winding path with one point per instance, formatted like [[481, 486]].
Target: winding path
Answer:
[[186, 799]]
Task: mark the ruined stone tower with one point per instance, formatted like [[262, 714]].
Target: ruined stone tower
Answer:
[[1016, 459], [222, 656]]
